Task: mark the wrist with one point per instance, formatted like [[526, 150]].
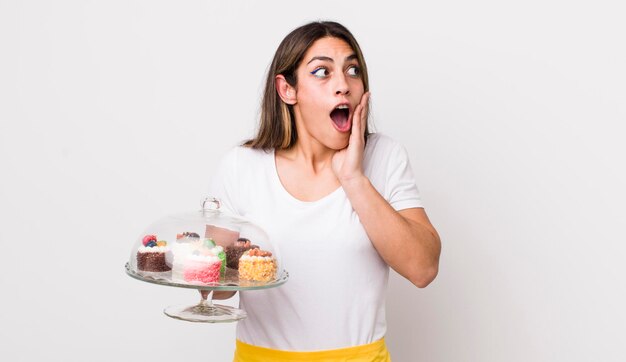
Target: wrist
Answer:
[[353, 181]]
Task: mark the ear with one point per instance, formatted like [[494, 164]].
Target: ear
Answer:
[[285, 91]]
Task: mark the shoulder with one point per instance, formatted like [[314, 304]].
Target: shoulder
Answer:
[[240, 162], [381, 148], [386, 164], [380, 142], [230, 182], [242, 155]]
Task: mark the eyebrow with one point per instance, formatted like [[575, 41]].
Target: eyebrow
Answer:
[[329, 59]]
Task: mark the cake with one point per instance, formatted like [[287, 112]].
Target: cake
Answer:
[[217, 251], [258, 265], [151, 255], [202, 269], [236, 250], [186, 243], [197, 262], [221, 255]]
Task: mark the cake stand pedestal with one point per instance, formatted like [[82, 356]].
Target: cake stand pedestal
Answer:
[[205, 311]]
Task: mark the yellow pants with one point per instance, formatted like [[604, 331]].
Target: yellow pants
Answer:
[[373, 352]]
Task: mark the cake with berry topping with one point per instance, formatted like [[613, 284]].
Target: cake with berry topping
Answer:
[[258, 265], [151, 256]]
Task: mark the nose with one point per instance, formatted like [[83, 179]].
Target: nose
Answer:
[[342, 87]]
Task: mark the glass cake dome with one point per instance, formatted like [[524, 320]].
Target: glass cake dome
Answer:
[[208, 250]]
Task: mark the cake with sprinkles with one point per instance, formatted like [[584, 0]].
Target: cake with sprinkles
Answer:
[[151, 256], [257, 265]]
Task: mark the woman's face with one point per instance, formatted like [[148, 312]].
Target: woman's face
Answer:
[[328, 90]]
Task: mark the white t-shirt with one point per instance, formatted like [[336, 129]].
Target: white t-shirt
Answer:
[[335, 295]]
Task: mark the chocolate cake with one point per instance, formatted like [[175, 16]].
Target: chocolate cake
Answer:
[[235, 251], [152, 259]]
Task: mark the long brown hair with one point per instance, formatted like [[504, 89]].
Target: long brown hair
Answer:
[[277, 128]]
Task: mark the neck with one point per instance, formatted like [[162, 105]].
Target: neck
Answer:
[[309, 152], [311, 155]]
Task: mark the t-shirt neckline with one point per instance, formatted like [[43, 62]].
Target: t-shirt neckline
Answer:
[[288, 196]]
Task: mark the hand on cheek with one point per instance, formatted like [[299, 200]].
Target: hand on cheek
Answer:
[[347, 163]]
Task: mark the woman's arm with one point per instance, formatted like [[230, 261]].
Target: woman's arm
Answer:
[[405, 239]]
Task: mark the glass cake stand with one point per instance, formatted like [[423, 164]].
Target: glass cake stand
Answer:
[[205, 311], [188, 250]]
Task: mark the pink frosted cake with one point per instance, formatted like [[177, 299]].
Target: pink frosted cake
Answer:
[[202, 269]]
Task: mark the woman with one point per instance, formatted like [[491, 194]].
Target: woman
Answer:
[[340, 203]]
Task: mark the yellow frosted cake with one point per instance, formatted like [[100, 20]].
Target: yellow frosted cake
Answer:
[[257, 264]]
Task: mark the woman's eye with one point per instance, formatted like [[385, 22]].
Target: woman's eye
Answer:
[[320, 72], [354, 71]]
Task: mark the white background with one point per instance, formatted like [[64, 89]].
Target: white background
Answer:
[[113, 113]]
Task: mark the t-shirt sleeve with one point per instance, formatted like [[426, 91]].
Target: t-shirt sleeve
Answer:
[[224, 182], [401, 188]]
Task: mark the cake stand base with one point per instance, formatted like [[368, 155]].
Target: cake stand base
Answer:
[[205, 311]]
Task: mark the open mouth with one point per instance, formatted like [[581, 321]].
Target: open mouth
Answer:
[[341, 117]]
